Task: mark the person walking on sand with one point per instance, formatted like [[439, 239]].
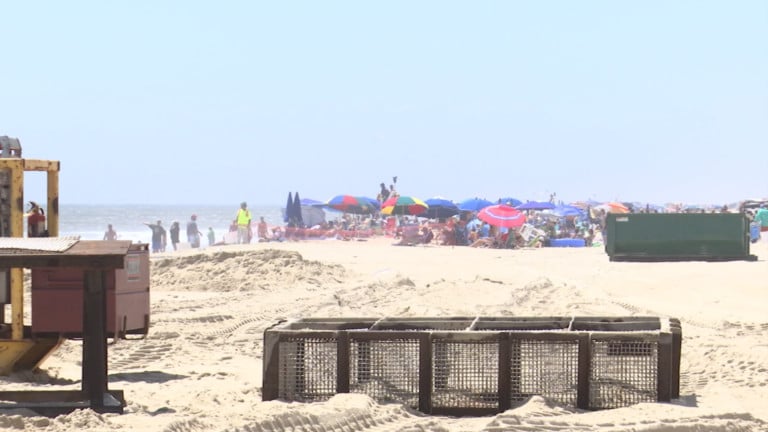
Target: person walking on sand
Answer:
[[110, 233], [243, 221], [158, 236], [193, 233]]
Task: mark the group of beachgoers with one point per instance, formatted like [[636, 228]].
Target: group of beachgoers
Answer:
[[542, 228]]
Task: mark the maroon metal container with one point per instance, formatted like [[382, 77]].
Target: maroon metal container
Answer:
[[57, 298]]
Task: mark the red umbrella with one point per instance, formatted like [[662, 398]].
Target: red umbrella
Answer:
[[502, 215]]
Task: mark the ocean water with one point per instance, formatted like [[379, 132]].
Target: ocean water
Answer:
[[90, 221]]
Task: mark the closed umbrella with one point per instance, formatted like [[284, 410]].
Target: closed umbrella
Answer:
[[298, 219], [288, 209]]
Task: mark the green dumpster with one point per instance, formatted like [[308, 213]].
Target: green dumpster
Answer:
[[678, 237]]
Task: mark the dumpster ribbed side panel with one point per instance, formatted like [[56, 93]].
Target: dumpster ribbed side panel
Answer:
[[677, 236]]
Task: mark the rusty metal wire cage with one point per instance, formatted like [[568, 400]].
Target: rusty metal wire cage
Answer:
[[475, 365]]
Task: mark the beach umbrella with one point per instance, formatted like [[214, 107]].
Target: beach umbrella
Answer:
[[288, 209], [440, 208], [614, 207], [566, 210], [350, 204], [404, 205], [514, 202], [298, 219], [536, 205], [585, 204], [474, 204], [502, 215], [374, 202]]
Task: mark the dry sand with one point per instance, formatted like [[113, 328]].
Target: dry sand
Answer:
[[200, 368]]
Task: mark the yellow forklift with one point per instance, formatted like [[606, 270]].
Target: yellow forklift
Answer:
[[19, 350]]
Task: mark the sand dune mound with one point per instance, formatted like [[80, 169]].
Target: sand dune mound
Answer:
[[240, 271]]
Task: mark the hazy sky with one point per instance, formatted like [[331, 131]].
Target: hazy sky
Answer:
[[217, 102]]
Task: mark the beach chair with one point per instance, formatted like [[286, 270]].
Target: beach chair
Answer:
[[390, 226], [411, 235], [531, 235]]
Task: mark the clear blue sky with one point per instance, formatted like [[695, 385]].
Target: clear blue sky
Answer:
[[191, 102]]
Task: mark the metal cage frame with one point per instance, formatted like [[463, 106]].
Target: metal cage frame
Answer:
[[475, 365]]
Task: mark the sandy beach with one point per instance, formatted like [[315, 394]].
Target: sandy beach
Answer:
[[200, 368]]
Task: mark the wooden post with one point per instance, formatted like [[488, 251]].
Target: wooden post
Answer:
[[94, 370], [585, 368], [342, 362], [425, 373]]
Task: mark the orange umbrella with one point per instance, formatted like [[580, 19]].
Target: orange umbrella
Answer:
[[615, 207]]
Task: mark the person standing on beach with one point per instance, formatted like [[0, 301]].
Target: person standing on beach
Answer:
[[243, 221], [158, 236], [175, 229], [211, 236], [110, 234], [262, 230], [193, 233]]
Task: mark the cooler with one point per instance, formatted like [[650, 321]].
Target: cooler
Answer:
[[57, 298]]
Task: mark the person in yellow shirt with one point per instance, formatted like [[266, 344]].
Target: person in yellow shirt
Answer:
[[243, 221]]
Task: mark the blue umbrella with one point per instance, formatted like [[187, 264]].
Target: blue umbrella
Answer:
[[536, 205], [566, 210], [440, 208], [513, 202], [474, 204], [374, 202]]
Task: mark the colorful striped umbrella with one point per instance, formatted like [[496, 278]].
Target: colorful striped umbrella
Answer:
[[404, 205], [502, 215], [351, 204]]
